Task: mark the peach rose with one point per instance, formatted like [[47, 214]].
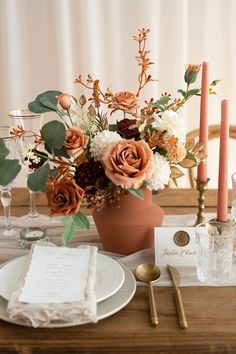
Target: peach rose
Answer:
[[64, 196], [75, 142], [64, 100], [128, 163], [125, 101]]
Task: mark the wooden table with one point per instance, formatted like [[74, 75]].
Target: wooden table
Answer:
[[211, 312]]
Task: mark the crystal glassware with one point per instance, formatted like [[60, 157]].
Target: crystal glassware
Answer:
[[5, 191], [214, 241], [31, 122]]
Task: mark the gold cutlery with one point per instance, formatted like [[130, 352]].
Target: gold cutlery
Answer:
[[177, 294], [149, 273]]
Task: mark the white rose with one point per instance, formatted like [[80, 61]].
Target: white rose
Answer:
[[172, 123]]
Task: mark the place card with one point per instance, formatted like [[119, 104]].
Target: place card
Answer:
[[56, 275], [175, 246]]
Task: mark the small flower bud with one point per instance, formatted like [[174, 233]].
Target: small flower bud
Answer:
[[191, 73], [64, 100]]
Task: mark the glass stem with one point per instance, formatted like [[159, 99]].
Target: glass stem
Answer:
[[33, 211], [6, 202]]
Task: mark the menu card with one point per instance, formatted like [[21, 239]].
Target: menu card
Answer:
[[175, 246], [56, 275]]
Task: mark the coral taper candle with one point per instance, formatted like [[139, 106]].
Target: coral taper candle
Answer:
[[222, 201], [203, 131]]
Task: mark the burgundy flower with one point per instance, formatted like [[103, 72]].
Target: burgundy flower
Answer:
[[123, 128]]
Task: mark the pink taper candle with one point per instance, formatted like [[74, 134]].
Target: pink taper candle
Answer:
[[222, 201], [203, 131]]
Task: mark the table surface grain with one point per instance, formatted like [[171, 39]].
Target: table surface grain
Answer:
[[211, 311]]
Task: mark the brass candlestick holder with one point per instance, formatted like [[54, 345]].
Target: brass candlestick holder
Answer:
[[201, 187]]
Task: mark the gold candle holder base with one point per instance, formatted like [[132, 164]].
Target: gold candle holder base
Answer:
[[201, 187]]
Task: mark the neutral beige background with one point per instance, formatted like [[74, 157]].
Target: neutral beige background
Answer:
[[46, 44]]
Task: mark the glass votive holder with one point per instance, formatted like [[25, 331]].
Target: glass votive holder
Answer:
[[214, 242], [31, 235]]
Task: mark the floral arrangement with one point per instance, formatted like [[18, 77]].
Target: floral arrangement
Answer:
[[83, 156]]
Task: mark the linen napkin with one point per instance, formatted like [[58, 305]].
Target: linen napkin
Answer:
[[31, 303]]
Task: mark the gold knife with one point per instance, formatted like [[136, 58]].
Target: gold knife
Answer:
[[180, 308]]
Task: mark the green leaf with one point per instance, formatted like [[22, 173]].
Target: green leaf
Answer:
[[9, 169], [162, 101], [190, 156], [53, 133], [215, 82], [65, 218], [53, 172], [57, 152], [37, 107], [69, 231], [183, 93], [3, 150], [81, 220], [192, 92], [175, 182], [137, 193], [36, 180], [113, 127], [45, 102]]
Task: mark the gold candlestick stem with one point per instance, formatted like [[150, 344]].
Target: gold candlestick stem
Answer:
[[201, 187]]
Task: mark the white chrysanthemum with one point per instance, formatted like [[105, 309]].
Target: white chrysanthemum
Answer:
[[100, 142], [161, 172], [172, 123]]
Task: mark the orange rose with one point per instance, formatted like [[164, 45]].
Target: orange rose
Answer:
[[64, 100], [75, 142], [64, 196], [125, 101], [128, 163]]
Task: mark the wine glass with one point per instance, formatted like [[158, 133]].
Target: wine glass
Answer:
[[31, 122], [5, 191]]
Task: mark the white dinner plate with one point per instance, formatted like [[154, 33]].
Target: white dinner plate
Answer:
[[105, 308], [109, 276]]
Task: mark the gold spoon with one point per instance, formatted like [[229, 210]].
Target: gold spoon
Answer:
[[150, 273]]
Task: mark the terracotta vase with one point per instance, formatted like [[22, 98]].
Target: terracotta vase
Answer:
[[129, 228]]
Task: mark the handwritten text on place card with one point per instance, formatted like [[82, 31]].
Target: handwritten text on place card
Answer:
[[175, 245]]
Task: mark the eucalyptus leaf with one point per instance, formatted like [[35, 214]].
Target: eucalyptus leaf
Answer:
[[36, 180], [69, 231], [9, 169], [50, 95], [57, 152], [53, 172], [37, 107], [47, 103], [81, 220], [137, 193], [53, 133], [3, 150]]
